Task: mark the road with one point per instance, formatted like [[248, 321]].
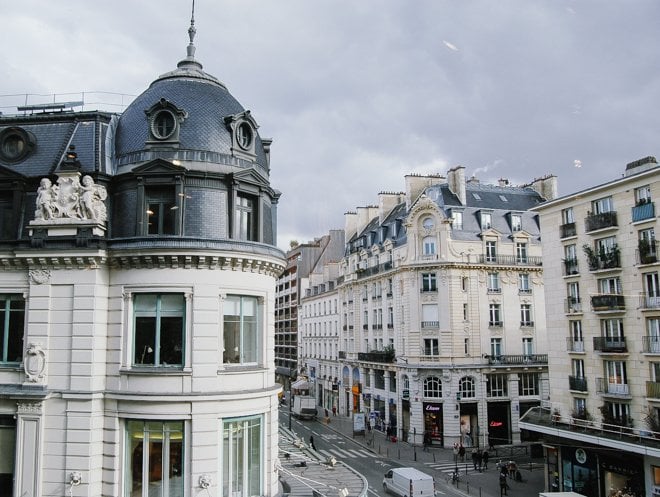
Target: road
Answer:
[[370, 464]]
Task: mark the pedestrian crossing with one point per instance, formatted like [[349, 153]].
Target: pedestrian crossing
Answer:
[[347, 453], [448, 467]]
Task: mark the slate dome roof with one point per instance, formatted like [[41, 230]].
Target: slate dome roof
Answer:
[[203, 135]]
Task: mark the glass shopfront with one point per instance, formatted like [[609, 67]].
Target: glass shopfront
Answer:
[[433, 421]]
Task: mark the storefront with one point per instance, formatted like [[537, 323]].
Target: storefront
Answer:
[[433, 421], [499, 423], [469, 424]]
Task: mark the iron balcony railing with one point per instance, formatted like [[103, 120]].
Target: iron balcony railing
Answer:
[[573, 305], [653, 389], [566, 230], [610, 344], [651, 344], [518, 359], [573, 345], [647, 252], [607, 302], [571, 267], [376, 356], [647, 301], [600, 221], [510, 260], [577, 383], [604, 386]]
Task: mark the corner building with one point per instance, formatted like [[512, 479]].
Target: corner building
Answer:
[[137, 278], [602, 424], [441, 310]]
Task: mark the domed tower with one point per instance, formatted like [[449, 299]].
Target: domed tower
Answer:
[[138, 277]]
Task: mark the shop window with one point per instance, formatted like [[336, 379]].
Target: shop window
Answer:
[[241, 330], [433, 387], [155, 458], [158, 331], [12, 323], [497, 385]]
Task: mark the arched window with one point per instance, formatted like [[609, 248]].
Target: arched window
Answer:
[[466, 387], [433, 387], [428, 245]]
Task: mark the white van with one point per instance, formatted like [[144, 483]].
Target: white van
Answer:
[[409, 482]]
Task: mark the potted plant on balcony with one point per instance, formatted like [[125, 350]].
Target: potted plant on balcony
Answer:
[[624, 423], [581, 418], [646, 253], [652, 422], [592, 257]]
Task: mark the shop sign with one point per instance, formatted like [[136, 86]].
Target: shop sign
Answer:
[[405, 394], [432, 408], [495, 424]]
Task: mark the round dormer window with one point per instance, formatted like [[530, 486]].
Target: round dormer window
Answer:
[[163, 125], [15, 144], [244, 135], [428, 223]]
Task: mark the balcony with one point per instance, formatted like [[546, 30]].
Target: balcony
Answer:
[[526, 324], [605, 387], [571, 267], [428, 289], [600, 221], [610, 344], [573, 345], [430, 324], [382, 356], [647, 252], [603, 259], [642, 211], [607, 302], [647, 301], [519, 359], [494, 290], [510, 260], [495, 324], [567, 230], [577, 383], [653, 389], [651, 344], [573, 305]]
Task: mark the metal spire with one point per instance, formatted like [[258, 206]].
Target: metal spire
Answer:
[[191, 33]]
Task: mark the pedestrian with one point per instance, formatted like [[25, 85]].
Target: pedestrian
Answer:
[[427, 441], [311, 442], [334, 410], [479, 460], [503, 484], [474, 458], [490, 444], [461, 452], [484, 458]]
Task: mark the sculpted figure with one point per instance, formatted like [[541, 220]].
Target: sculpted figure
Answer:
[[91, 200], [46, 194]]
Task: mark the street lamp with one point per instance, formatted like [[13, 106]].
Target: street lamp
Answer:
[[290, 398]]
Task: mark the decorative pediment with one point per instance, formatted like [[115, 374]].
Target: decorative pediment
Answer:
[[243, 129], [158, 167], [8, 175]]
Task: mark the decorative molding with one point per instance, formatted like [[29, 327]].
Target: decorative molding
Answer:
[[29, 408], [39, 276], [34, 363]]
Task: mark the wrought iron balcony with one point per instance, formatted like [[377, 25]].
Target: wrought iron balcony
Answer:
[[577, 383], [600, 221], [573, 305], [653, 389], [607, 302], [510, 260], [647, 301], [651, 344], [571, 267], [382, 356], [573, 345], [606, 387], [566, 230], [610, 344], [430, 324], [518, 359], [647, 252]]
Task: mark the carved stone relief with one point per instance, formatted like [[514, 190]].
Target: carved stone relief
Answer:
[[34, 363], [70, 199]]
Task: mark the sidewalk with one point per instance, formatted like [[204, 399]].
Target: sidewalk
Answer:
[[439, 462]]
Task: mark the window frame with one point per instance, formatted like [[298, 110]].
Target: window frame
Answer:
[[251, 464], [432, 387], [497, 385], [12, 332], [429, 282], [258, 330]]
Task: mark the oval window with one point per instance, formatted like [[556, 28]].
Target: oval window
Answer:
[[244, 135], [15, 144], [163, 125]]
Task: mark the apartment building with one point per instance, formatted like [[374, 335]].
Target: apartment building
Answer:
[[441, 310], [603, 308]]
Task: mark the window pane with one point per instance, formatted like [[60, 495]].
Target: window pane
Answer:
[[145, 340], [12, 315], [171, 351], [7, 446]]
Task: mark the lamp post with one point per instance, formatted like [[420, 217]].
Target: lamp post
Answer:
[[290, 398]]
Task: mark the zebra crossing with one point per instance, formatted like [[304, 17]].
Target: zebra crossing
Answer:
[[347, 453], [447, 467]]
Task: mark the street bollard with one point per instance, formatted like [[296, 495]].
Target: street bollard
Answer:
[[399, 453], [434, 457]]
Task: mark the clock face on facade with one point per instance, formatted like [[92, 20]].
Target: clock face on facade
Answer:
[[580, 456]]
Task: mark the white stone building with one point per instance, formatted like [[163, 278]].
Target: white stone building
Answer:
[[137, 274], [603, 309], [442, 310]]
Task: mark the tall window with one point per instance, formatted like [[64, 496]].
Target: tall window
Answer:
[[494, 283], [241, 330], [602, 205], [516, 222], [523, 283], [494, 315], [653, 333], [466, 387], [528, 346], [577, 365], [457, 220], [431, 346], [433, 387], [567, 216], [429, 282], [246, 218], [155, 459], [241, 457], [158, 329], [161, 211], [7, 447], [12, 320], [610, 285], [496, 347], [491, 251], [496, 385], [643, 195], [575, 329], [521, 253], [428, 245], [526, 315], [528, 384], [612, 328]]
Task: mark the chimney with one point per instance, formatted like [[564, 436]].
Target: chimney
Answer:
[[503, 182], [641, 165], [350, 224], [386, 202], [416, 184], [456, 181], [364, 215], [545, 186]]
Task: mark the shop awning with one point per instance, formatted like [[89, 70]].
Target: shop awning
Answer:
[[301, 384]]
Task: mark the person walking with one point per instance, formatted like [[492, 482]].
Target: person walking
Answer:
[[479, 460], [334, 410], [311, 442], [461, 452], [484, 459], [427, 441], [503, 484], [474, 458]]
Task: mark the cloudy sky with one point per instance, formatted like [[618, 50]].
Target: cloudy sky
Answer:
[[357, 94]]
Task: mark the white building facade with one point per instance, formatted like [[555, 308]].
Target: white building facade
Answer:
[[138, 269]]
